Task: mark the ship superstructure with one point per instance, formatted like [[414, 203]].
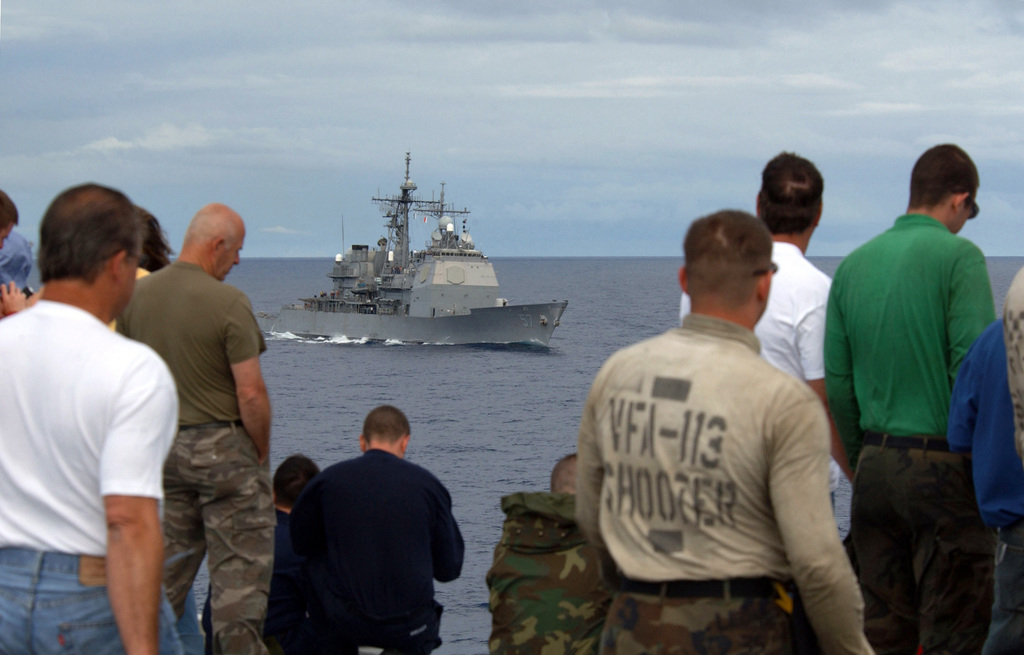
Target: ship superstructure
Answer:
[[445, 293]]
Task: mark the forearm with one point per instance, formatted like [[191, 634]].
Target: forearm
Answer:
[[845, 414], [589, 480], [255, 413], [135, 553], [253, 403], [818, 562], [838, 451]]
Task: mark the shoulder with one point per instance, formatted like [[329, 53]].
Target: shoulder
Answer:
[[635, 358], [966, 249], [801, 282], [989, 344], [137, 358], [424, 476], [810, 276], [643, 350]]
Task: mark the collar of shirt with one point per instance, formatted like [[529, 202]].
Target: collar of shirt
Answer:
[[918, 220], [722, 329]]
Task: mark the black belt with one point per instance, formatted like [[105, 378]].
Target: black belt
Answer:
[[734, 588], [888, 441], [210, 426]]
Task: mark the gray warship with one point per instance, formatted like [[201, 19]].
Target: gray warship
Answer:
[[445, 294]]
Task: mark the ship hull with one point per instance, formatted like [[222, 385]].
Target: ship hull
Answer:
[[530, 324]]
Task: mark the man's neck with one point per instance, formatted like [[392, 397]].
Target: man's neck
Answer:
[[197, 257], [80, 294], [393, 449], [935, 213], [745, 319]]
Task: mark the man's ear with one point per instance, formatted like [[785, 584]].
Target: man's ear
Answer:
[[116, 267], [764, 285], [683, 280], [364, 445]]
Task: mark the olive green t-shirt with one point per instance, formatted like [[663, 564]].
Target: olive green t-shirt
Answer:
[[200, 327]]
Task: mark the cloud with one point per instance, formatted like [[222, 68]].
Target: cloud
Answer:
[[818, 81], [280, 229], [632, 87], [207, 82], [883, 108], [163, 138], [989, 80]]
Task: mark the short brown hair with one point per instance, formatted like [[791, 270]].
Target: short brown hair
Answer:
[[790, 195], [8, 212], [723, 251], [82, 228], [291, 477], [385, 423], [942, 171]]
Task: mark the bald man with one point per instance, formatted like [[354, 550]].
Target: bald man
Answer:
[[216, 478]]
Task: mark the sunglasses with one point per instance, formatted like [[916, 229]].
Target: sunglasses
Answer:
[[772, 268]]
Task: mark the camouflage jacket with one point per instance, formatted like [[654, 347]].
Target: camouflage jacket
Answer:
[[546, 594]]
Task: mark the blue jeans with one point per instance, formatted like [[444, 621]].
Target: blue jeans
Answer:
[[1006, 632], [188, 627], [44, 609]]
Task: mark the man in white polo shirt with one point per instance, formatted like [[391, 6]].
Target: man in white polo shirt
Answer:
[[88, 418], [792, 329]]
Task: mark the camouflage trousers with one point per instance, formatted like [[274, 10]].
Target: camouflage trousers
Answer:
[[925, 558], [639, 624], [218, 501]]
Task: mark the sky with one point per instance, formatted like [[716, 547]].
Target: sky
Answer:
[[567, 128]]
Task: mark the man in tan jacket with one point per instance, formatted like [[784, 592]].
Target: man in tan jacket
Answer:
[[703, 474]]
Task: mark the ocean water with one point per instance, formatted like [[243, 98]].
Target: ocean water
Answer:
[[486, 420]]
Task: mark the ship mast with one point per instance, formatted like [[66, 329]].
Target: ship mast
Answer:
[[397, 209]]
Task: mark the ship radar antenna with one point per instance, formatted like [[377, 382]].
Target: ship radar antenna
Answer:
[[408, 185]]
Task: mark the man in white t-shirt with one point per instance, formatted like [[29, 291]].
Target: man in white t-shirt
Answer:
[[88, 418], [792, 329]]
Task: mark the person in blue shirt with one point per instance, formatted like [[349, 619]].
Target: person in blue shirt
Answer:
[[981, 423], [16, 261], [376, 532]]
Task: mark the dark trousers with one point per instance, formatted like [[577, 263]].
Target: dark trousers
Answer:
[[340, 627], [925, 557]]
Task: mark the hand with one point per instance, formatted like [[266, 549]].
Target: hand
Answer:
[[12, 299]]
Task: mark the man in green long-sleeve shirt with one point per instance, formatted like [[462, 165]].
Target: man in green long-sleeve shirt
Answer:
[[903, 310]]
